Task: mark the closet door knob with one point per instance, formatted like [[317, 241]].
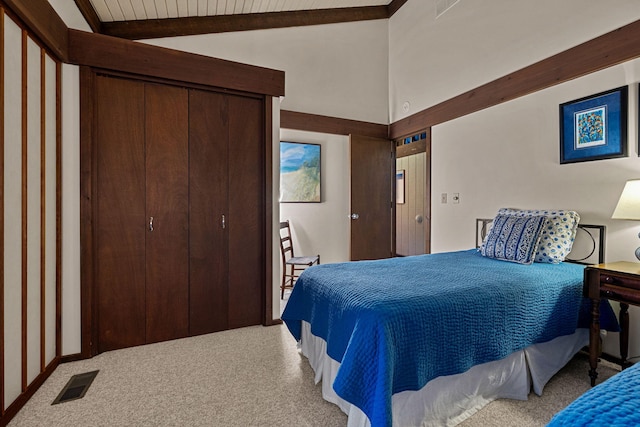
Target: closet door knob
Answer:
[[224, 222], [151, 223]]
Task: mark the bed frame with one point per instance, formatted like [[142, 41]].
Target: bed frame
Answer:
[[588, 247]]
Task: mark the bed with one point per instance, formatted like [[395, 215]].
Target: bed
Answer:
[[430, 339], [614, 402]]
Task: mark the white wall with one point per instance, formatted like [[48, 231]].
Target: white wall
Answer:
[[477, 41], [336, 70], [323, 228], [508, 156], [70, 209]]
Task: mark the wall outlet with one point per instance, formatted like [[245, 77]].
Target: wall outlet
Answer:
[[456, 198], [443, 198]]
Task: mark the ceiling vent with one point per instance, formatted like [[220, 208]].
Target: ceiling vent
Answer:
[[443, 5]]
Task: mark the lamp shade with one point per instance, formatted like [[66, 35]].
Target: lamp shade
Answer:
[[629, 204]]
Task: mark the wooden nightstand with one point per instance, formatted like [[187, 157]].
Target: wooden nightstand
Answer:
[[617, 281]]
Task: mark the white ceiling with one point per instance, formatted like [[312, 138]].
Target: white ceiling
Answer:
[[128, 10]]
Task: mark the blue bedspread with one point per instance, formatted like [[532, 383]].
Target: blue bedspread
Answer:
[[396, 324], [614, 402]]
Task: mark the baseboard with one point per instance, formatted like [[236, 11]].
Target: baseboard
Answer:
[[73, 358], [24, 397]]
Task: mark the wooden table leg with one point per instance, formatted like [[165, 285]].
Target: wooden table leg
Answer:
[[594, 338], [624, 335]]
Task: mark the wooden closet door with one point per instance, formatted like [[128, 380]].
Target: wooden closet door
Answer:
[[120, 213], [167, 198], [246, 211], [208, 208]]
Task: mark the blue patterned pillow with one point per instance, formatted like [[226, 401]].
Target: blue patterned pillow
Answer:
[[514, 238], [558, 233]]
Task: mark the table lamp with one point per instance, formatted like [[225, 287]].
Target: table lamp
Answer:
[[629, 204]]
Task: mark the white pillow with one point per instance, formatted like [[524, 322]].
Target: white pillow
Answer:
[[557, 235]]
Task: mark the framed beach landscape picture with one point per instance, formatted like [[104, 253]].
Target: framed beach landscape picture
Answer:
[[299, 172]]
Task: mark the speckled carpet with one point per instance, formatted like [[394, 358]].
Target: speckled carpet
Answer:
[[246, 377]]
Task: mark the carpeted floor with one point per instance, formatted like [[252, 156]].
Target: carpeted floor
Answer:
[[246, 377]]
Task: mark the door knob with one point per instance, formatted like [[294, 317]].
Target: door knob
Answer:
[[151, 223], [354, 216]]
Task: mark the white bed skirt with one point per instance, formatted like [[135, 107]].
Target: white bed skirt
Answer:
[[447, 401]]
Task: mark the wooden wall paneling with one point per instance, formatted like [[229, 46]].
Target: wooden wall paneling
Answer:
[[421, 192], [427, 194], [414, 200], [411, 234], [401, 237], [208, 202], [410, 149], [120, 231], [167, 194], [112, 53], [12, 212], [246, 225]]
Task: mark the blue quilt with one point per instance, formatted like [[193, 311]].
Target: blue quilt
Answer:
[[395, 324], [614, 402]]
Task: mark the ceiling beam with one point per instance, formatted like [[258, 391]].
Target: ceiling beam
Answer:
[[393, 7], [173, 27], [89, 13]]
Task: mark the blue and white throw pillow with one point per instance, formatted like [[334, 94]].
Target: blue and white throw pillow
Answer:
[[558, 233], [514, 238]]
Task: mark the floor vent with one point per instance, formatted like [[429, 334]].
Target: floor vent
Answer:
[[76, 387]]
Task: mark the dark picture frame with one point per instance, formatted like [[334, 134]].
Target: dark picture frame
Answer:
[[300, 172], [400, 177], [594, 127]]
